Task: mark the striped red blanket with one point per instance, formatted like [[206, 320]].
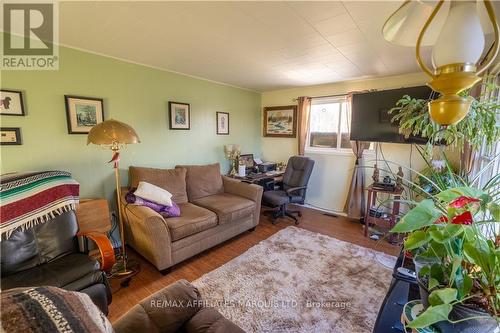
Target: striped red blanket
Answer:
[[30, 198]]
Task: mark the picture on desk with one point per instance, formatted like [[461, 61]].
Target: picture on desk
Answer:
[[280, 121], [247, 160]]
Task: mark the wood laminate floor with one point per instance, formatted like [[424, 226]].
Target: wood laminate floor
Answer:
[[150, 280]]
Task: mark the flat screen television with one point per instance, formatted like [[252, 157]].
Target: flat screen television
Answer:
[[371, 120]]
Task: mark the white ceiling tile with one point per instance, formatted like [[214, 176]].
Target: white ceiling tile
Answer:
[[370, 10], [335, 25], [318, 11], [349, 37]]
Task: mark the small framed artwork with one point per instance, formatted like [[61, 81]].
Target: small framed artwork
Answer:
[[10, 136], [280, 121], [11, 103], [179, 115], [83, 113], [222, 123], [247, 160]]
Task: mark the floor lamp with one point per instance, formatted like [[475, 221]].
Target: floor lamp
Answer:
[[114, 134]]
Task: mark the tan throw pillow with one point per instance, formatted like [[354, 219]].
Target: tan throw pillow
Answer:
[[202, 180], [172, 180]]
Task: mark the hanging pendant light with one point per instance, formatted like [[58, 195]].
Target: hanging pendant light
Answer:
[[458, 43]]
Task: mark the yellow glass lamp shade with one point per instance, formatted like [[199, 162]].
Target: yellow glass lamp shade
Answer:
[[112, 133]]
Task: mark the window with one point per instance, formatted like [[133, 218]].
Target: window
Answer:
[[329, 124]]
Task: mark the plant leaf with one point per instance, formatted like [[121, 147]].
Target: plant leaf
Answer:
[[433, 283], [434, 250], [424, 214], [478, 254], [453, 193], [417, 239], [464, 286], [443, 296], [445, 234], [456, 264], [432, 315], [495, 210]]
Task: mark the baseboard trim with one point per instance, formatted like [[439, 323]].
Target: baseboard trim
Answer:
[[329, 211]]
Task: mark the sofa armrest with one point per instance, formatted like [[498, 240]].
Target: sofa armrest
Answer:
[[165, 311], [148, 233], [249, 191]]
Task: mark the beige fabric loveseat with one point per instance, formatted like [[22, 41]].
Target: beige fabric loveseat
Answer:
[[214, 208]]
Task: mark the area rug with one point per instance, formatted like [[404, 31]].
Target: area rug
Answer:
[[300, 281]]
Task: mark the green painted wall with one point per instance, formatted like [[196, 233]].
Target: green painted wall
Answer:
[[136, 95]]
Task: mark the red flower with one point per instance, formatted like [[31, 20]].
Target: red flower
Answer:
[[442, 219], [462, 201], [408, 254], [464, 218]]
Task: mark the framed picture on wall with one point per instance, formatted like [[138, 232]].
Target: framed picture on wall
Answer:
[[280, 121], [179, 116], [83, 113], [11, 103], [10, 136], [222, 123]]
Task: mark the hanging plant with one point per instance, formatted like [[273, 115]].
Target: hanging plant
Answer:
[[478, 127]]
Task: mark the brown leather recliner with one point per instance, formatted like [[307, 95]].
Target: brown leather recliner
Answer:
[[48, 255], [176, 308]]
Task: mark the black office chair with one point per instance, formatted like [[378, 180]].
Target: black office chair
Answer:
[[297, 174]]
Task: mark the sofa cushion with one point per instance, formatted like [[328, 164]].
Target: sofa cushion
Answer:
[[193, 219], [202, 180], [60, 273], [172, 180], [228, 207]]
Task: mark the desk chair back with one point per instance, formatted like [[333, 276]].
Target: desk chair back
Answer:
[[297, 174]]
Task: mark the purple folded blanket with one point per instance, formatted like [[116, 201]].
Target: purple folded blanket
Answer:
[[165, 211]]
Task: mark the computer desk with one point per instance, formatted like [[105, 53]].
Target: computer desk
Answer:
[[259, 177]]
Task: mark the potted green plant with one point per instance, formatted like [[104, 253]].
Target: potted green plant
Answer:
[[457, 233], [477, 128]]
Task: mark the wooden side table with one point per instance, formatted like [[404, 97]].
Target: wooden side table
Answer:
[[392, 218]]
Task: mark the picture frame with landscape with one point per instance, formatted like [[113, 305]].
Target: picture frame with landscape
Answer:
[[179, 115], [83, 113], [280, 121]]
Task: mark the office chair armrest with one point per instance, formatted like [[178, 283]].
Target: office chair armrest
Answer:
[[269, 183], [105, 248], [290, 191]]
